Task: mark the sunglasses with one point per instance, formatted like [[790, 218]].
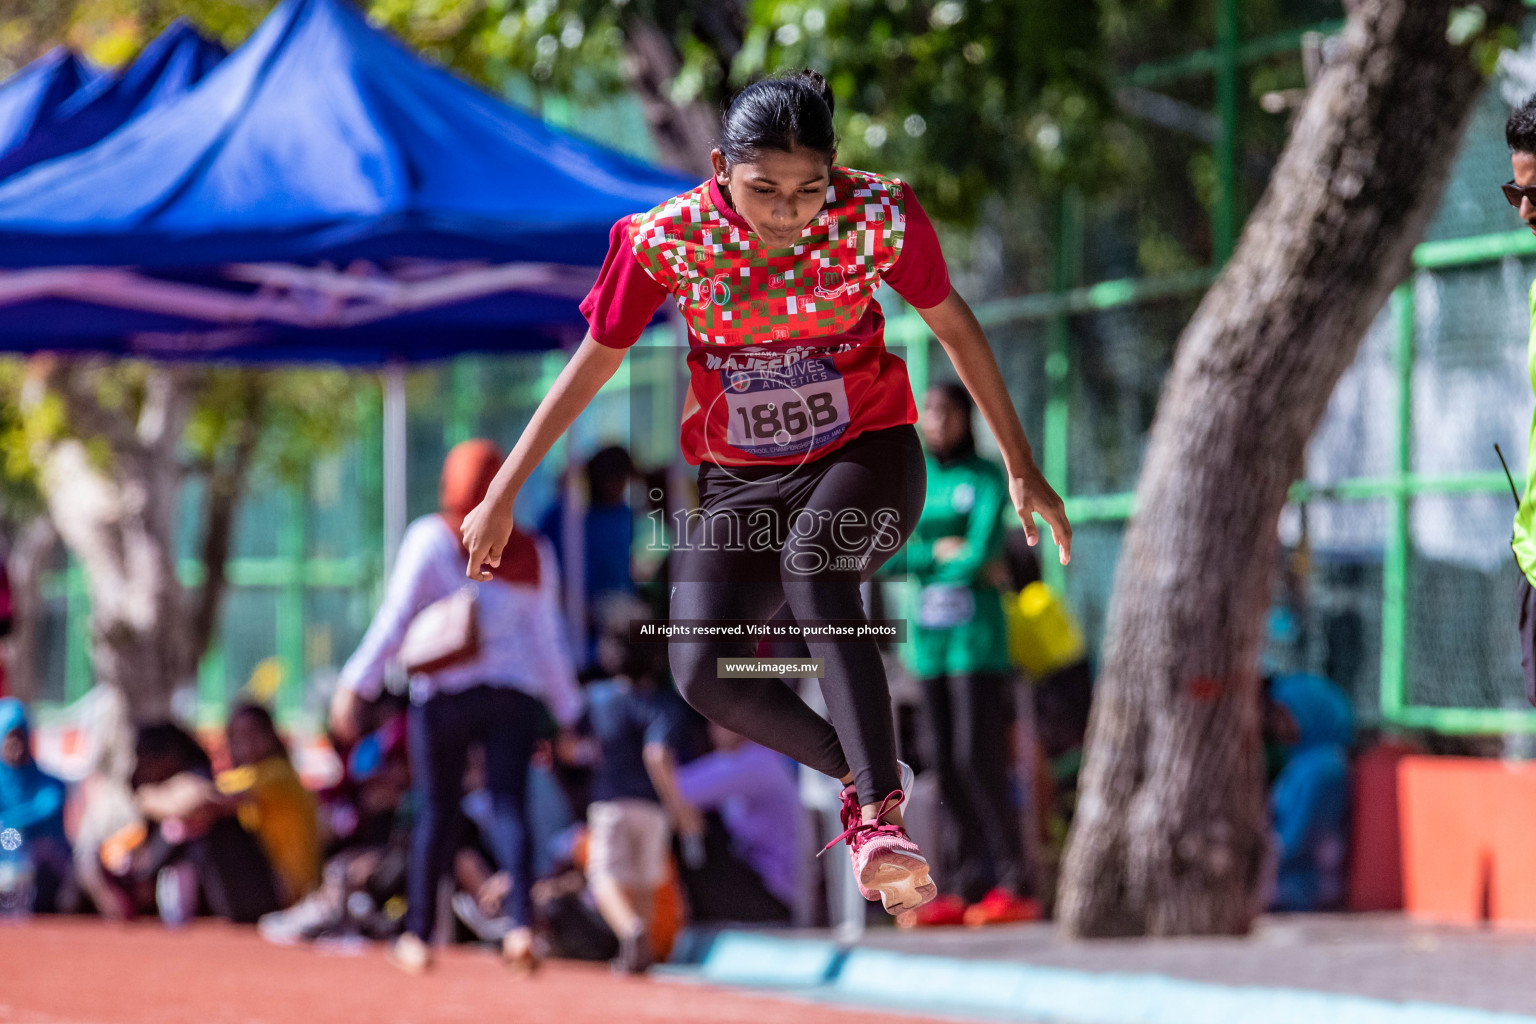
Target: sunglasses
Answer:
[[1514, 193]]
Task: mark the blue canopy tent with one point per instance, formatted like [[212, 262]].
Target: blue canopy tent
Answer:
[[322, 194], [171, 64], [30, 99]]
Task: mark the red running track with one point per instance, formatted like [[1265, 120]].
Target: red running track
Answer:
[[85, 971]]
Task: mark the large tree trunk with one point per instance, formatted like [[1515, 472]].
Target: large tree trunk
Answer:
[[115, 509], [1171, 820], [28, 558]]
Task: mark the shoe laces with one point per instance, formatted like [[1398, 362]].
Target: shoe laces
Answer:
[[861, 832], [850, 814]]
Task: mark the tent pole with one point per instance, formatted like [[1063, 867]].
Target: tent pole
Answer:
[[394, 461]]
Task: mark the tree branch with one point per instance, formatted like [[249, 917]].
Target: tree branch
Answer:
[[226, 485]]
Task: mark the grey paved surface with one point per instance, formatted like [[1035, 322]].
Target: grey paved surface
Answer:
[[1377, 955]]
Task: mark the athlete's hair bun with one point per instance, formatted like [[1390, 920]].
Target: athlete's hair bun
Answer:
[[818, 82]]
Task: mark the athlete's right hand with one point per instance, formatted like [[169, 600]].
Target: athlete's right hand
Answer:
[[484, 534]]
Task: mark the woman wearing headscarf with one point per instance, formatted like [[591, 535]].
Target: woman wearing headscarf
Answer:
[[31, 806], [497, 698]]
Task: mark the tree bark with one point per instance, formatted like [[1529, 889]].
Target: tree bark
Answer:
[[684, 133], [25, 567], [226, 486], [1171, 822], [115, 509]]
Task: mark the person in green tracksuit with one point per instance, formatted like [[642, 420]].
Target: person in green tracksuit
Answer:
[[1520, 134], [958, 648]]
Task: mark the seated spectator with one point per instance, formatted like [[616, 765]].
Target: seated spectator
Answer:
[[104, 799], [272, 803], [752, 875], [362, 808], [634, 723], [482, 887], [1309, 723], [189, 851], [368, 828], [32, 803]]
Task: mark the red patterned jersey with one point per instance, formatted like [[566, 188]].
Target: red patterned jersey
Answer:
[[787, 357]]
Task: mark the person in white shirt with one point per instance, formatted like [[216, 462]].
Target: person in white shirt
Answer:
[[503, 697]]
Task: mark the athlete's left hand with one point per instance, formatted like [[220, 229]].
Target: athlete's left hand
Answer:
[[1032, 496]]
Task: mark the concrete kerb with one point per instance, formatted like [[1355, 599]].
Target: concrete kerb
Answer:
[[996, 990]]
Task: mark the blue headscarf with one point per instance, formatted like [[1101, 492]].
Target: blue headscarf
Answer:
[[1309, 802], [1320, 708], [31, 800]]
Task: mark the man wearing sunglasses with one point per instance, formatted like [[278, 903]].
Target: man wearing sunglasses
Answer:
[[1520, 134]]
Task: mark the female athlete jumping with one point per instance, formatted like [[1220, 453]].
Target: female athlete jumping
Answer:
[[810, 471]]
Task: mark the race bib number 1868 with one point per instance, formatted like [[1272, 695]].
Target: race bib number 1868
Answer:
[[786, 412]]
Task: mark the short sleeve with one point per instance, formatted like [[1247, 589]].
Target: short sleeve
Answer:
[[624, 298], [663, 722], [919, 274]]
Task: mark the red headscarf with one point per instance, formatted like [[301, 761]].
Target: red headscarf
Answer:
[[467, 474]]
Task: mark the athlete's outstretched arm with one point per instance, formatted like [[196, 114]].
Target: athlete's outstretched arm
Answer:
[[957, 329], [488, 526]]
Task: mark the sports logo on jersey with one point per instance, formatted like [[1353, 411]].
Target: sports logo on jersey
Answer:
[[741, 381], [830, 282]]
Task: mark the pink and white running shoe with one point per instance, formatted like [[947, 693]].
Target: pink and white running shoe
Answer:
[[887, 864]]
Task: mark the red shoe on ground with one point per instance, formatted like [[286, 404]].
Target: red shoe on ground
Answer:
[[945, 911], [1002, 907]]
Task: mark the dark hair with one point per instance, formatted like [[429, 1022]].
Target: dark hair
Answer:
[[955, 394], [1520, 129], [170, 749], [782, 113], [259, 714], [608, 473]]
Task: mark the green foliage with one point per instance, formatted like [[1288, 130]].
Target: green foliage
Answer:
[[967, 99], [20, 495], [301, 415], [1468, 26], [305, 415]]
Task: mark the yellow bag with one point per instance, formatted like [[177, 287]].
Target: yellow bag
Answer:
[[1042, 634]]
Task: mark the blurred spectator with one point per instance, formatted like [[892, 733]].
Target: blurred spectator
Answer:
[[32, 803], [959, 650], [105, 798], [493, 695], [366, 819], [1308, 726], [608, 533], [483, 887], [362, 807], [634, 722], [273, 803], [1046, 642], [752, 876], [189, 851], [577, 930]]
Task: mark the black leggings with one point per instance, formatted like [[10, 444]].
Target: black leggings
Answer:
[[800, 539], [969, 722]]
